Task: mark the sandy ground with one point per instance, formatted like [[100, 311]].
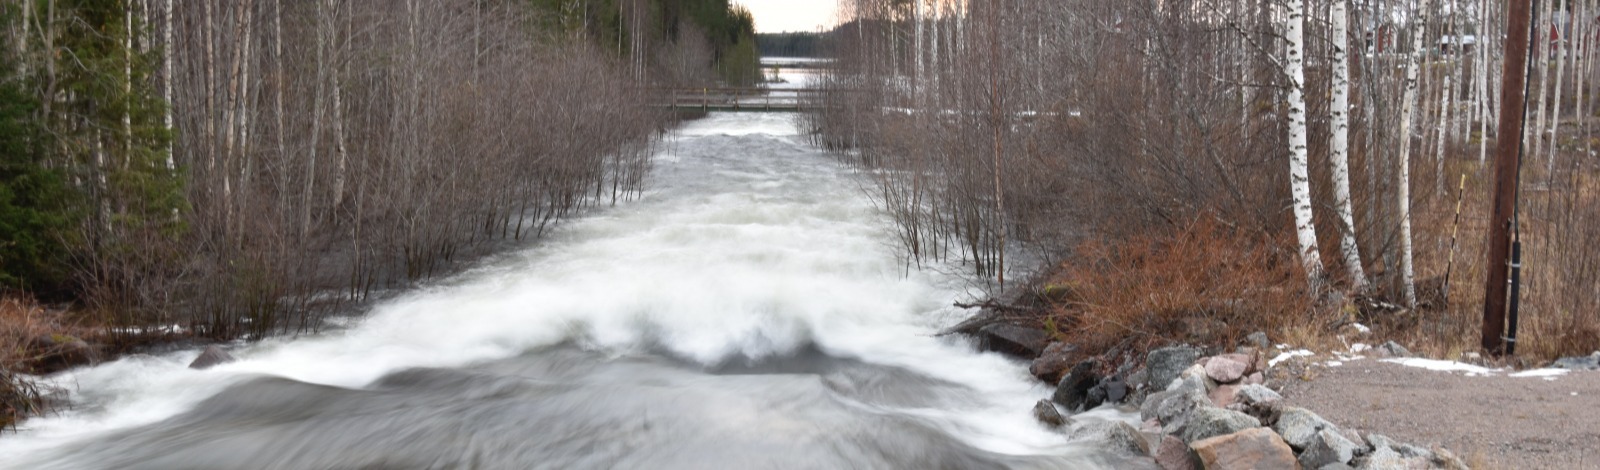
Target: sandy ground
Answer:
[[1494, 421]]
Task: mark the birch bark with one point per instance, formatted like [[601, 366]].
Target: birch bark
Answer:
[[1299, 177], [1403, 182], [1340, 159]]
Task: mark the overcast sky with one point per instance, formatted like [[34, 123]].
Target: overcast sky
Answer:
[[773, 16]]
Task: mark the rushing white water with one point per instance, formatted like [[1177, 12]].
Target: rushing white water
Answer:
[[752, 259]]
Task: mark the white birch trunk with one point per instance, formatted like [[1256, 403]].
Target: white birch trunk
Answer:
[[1541, 44], [1299, 178], [1485, 114], [1403, 183], [166, 74], [1555, 111], [1340, 158], [1444, 136]]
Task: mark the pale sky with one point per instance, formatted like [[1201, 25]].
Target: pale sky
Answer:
[[776, 16]]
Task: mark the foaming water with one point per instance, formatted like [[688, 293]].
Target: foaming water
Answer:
[[748, 311]]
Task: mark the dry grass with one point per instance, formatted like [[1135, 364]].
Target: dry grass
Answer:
[[1202, 284], [1560, 303], [22, 322]]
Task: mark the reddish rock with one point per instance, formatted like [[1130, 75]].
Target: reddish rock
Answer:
[[1174, 455], [1255, 448], [1223, 395], [1053, 363], [1256, 379], [1225, 369]]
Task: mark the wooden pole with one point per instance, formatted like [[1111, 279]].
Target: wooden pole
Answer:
[[1507, 158]]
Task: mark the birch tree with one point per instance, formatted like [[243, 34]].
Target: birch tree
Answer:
[[1340, 157], [1299, 175], [1408, 107]]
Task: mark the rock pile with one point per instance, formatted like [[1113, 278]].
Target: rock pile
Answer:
[[1217, 413]]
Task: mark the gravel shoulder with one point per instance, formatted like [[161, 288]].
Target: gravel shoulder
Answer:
[[1493, 421]]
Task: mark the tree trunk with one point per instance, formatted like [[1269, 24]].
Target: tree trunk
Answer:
[[1340, 158], [1299, 175], [1403, 180]]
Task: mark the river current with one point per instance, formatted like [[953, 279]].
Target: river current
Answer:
[[748, 311]]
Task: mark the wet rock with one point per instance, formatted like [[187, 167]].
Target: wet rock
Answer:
[[1115, 435], [1116, 389], [1013, 340], [1173, 454], [1255, 448], [1073, 391], [1299, 426], [210, 357], [1590, 362], [1053, 363], [1163, 365], [1047, 413], [1207, 422], [60, 351], [1329, 447], [1392, 349], [1258, 340], [1226, 369]]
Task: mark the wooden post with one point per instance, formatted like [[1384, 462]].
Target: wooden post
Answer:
[[1507, 157]]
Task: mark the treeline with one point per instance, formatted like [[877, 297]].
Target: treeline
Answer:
[[678, 42], [1314, 129], [244, 168], [791, 44]]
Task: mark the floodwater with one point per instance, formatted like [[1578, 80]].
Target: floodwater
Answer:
[[748, 311]]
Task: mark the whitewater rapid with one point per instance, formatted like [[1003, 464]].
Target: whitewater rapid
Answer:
[[749, 310]]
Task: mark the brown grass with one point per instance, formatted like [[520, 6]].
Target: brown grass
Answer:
[[21, 323], [1204, 283]]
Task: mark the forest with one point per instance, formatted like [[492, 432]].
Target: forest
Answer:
[[1289, 165], [240, 169], [792, 44]]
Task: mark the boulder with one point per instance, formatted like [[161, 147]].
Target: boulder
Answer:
[[1171, 408], [1206, 422], [1384, 458], [1336, 466], [1299, 426], [1116, 389], [1013, 340], [1173, 454], [60, 351], [1223, 396], [1328, 447], [1048, 414], [1053, 363], [1443, 458], [1258, 401], [1115, 435], [1073, 391], [1258, 340], [1254, 448], [1226, 369], [1590, 362], [211, 357], [1392, 349], [1256, 395], [1163, 365], [1257, 378]]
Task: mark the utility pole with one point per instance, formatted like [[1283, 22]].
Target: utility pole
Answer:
[[1507, 158]]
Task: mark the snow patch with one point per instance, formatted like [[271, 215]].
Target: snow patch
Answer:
[[1361, 328], [1288, 355], [1548, 374], [1441, 366]]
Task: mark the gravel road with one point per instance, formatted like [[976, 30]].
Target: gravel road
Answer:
[[1495, 421]]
